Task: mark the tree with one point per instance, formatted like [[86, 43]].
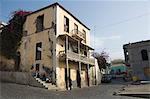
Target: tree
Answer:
[[12, 33], [101, 59]]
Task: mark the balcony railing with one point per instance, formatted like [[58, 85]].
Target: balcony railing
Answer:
[[76, 57], [76, 33]]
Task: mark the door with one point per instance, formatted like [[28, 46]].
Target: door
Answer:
[[78, 79], [87, 76], [37, 67], [68, 83], [66, 78]]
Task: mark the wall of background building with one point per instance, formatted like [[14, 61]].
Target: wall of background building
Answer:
[[135, 58]]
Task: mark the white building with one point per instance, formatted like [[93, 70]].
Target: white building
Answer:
[[137, 55]]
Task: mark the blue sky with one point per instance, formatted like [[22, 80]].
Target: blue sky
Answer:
[[112, 22]]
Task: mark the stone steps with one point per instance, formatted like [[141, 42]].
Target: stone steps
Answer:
[[48, 86]]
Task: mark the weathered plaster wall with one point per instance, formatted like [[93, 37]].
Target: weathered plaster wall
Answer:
[[28, 47]]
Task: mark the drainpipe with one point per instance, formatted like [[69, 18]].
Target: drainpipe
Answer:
[[54, 47]]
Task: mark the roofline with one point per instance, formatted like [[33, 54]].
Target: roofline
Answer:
[[136, 43], [55, 4]]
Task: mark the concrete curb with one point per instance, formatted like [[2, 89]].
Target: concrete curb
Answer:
[[135, 94]]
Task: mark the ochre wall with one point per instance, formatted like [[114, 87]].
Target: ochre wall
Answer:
[[60, 23], [28, 46], [73, 67]]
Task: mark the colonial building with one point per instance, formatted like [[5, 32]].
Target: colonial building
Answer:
[[58, 43], [137, 56]]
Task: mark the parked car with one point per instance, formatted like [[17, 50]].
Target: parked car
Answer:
[[106, 78]]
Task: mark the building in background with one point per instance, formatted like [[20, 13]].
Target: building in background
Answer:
[[137, 56], [57, 44], [118, 70]]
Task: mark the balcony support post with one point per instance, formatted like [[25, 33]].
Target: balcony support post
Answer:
[[79, 61], [88, 76], [66, 51]]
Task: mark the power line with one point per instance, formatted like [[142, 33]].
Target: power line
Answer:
[[120, 22], [126, 20]]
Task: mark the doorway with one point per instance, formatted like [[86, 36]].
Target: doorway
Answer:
[[78, 77], [87, 76], [67, 78]]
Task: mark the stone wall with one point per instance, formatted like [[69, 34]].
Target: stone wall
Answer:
[[24, 78], [6, 64]]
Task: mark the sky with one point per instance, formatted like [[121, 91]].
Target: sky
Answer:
[[112, 22]]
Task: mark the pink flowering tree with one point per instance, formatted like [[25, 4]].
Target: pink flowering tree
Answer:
[[11, 34]]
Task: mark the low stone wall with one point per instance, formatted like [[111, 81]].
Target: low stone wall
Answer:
[[6, 64], [24, 78]]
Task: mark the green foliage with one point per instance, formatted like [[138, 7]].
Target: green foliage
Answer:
[[11, 35]]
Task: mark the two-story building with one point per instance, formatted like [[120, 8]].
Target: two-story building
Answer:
[[57, 42], [137, 57]]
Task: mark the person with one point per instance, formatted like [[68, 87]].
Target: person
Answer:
[[43, 77], [33, 71], [37, 74], [70, 83]]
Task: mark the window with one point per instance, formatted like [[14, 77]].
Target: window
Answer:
[[76, 28], [127, 55], [144, 54], [84, 36], [85, 53], [37, 67], [66, 24], [38, 51], [39, 23]]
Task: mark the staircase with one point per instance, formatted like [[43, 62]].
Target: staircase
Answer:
[[48, 86]]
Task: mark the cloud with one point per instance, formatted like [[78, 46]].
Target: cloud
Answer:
[[113, 37], [116, 55], [148, 34], [98, 42]]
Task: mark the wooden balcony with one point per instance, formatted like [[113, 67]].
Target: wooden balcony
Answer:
[[78, 35], [76, 57]]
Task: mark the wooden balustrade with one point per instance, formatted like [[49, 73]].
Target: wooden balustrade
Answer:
[[76, 57]]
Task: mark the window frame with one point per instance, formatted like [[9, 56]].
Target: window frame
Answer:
[[38, 23], [66, 23], [38, 54], [144, 55], [84, 33], [76, 28]]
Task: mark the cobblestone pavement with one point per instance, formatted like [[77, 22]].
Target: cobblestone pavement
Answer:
[[16, 91]]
